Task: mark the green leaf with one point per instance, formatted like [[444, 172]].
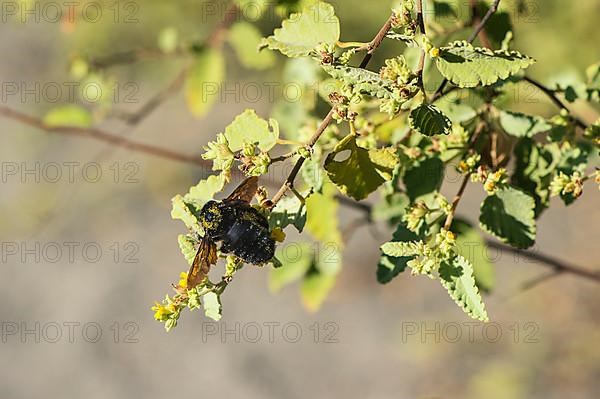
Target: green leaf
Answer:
[[363, 81], [313, 175], [204, 80], [522, 125], [245, 38], [356, 171], [184, 212], [468, 66], [315, 287], [288, 211], [322, 218], [429, 120], [185, 208], [509, 215], [390, 266], [424, 178], [296, 259], [471, 245], [457, 278], [249, 128], [302, 33], [212, 305], [68, 115], [205, 190], [188, 247]]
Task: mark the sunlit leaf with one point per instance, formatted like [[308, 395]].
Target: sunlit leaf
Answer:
[[302, 33], [204, 81], [68, 115], [245, 38]]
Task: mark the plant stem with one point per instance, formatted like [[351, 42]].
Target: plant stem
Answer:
[[289, 181], [421, 23]]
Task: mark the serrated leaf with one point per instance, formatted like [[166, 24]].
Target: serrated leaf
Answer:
[[424, 178], [302, 33], [471, 245], [468, 66], [212, 305], [457, 278], [521, 125], [245, 38], [204, 80], [68, 115], [388, 266], [402, 249], [249, 128], [363, 81], [429, 120], [509, 215], [288, 211], [356, 171], [296, 259], [188, 247]]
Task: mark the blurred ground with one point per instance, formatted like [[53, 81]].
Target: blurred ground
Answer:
[[548, 346]]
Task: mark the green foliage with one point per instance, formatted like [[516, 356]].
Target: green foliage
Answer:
[[204, 80], [357, 171], [522, 125], [509, 215], [300, 34], [245, 39], [388, 140], [468, 66], [429, 120], [68, 115], [457, 277]]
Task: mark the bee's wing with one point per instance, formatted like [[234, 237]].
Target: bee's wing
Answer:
[[205, 257], [245, 191]]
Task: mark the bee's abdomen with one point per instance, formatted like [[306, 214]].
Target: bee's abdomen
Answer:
[[249, 241]]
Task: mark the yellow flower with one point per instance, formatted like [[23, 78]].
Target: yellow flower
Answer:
[[183, 280], [277, 234], [162, 312]]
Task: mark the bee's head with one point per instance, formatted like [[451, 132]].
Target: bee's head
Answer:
[[210, 216]]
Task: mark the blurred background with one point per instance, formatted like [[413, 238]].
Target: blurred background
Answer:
[[85, 254]]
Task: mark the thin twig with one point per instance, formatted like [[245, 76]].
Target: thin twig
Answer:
[[421, 66], [552, 96], [101, 135], [289, 181], [158, 99], [463, 185], [548, 261], [493, 8]]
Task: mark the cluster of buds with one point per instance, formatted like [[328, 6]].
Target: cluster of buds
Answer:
[[219, 152], [491, 180], [415, 217], [445, 242], [468, 165], [413, 153], [429, 47], [342, 107], [326, 53], [402, 17], [563, 184], [253, 164]]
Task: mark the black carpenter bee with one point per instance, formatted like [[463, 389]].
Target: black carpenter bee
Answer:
[[242, 230]]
